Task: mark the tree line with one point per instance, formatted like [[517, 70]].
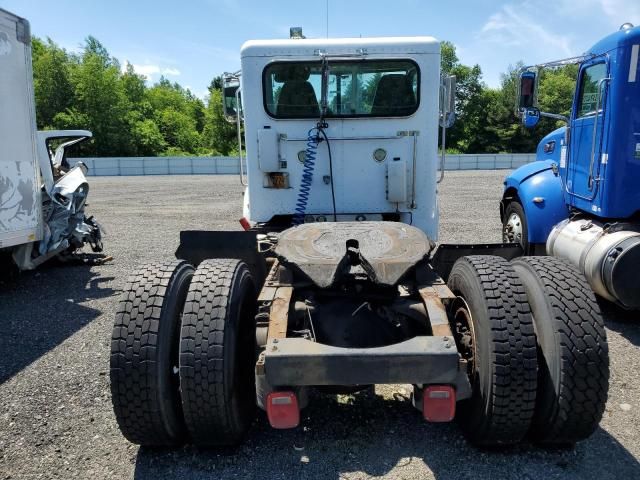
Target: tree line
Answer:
[[486, 122], [91, 90]]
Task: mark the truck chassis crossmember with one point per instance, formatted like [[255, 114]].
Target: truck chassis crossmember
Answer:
[[295, 361], [287, 362]]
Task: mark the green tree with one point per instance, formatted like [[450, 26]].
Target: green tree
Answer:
[[134, 85], [219, 135], [178, 130], [556, 91], [179, 114], [51, 80], [448, 57], [147, 138], [99, 103], [465, 135], [89, 91]]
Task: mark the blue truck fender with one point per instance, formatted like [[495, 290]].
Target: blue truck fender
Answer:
[[538, 187]]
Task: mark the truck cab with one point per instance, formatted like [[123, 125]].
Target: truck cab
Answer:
[[587, 171], [339, 129]]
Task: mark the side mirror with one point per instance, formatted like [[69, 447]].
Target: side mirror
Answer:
[[231, 97], [527, 91], [530, 117], [448, 101]]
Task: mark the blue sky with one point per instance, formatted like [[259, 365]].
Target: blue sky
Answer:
[[193, 40]]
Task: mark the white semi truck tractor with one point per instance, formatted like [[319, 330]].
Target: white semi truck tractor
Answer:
[[42, 197], [338, 284]]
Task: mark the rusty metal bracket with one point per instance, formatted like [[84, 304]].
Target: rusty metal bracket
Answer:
[[432, 297], [279, 314]]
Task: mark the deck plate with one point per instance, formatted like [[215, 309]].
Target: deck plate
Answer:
[[319, 249]]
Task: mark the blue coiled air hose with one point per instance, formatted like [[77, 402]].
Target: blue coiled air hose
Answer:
[[313, 139]]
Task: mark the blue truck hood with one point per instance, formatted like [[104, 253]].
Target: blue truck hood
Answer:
[[521, 174]]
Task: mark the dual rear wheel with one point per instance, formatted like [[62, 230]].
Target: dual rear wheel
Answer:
[[182, 354], [536, 347]]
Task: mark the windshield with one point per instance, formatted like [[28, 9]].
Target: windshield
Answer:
[[364, 88]]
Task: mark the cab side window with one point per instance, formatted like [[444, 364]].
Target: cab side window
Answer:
[[589, 82]]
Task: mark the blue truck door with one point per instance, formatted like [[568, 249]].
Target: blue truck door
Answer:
[[589, 108]]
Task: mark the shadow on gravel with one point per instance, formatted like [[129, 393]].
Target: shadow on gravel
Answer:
[[625, 322], [371, 436], [40, 309]]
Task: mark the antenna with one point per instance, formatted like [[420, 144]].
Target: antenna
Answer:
[[327, 17]]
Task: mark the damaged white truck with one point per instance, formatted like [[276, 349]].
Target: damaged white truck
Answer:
[[42, 197]]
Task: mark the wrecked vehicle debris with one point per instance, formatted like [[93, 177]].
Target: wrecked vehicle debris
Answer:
[[66, 226], [42, 197]]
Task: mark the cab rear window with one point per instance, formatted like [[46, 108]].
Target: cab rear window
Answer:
[[365, 88]]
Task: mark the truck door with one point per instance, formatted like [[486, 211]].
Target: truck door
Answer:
[[588, 137]]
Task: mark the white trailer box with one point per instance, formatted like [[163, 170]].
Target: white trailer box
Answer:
[[20, 198]]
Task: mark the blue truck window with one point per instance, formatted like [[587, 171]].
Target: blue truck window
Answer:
[[589, 81]]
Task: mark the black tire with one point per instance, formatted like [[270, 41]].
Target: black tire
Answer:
[[144, 352], [514, 208], [573, 358], [218, 353], [503, 372]]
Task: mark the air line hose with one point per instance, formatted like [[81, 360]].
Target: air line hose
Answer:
[[307, 176], [314, 137]]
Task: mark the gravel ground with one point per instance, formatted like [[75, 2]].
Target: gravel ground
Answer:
[[55, 408]]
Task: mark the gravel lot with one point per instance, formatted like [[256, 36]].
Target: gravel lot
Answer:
[[55, 408]]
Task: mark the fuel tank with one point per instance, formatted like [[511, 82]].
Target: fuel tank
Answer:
[[607, 254]]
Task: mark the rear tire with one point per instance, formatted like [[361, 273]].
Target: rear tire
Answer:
[[144, 352], [218, 353], [573, 353], [503, 351]]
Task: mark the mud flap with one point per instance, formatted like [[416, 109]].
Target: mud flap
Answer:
[[447, 254], [198, 245]]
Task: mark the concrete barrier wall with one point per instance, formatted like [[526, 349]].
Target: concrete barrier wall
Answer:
[[117, 166], [488, 161]]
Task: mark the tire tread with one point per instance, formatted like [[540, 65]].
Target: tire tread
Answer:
[[134, 355], [206, 404], [579, 330], [514, 361]]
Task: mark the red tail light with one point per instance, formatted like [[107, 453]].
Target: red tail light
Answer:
[[245, 224], [439, 403], [283, 410]]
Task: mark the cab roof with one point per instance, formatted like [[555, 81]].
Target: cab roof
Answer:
[[621, 38], [341, 46]]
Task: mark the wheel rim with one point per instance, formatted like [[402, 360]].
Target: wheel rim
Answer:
[[463, 332], [512, 231]]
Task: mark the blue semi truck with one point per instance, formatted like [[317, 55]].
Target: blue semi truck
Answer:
[[580, 200]]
